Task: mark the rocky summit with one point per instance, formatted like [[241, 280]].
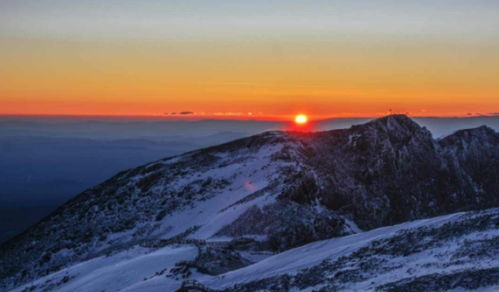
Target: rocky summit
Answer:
[[281, 211]]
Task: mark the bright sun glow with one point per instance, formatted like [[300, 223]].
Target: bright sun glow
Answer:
[[301, 119]]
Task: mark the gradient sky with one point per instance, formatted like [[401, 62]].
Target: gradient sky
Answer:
[[270, 58]]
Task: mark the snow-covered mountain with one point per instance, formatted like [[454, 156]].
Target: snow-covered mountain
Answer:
[[242, 209]]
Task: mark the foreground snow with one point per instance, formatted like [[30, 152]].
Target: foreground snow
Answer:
[[142, 269], [117, 272], [291, 261]]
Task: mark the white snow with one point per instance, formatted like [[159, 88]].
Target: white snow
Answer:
[[140, 269], [292, 261], [247, 177], [119, 271]]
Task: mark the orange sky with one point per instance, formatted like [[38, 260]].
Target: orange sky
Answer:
[[268, 75]]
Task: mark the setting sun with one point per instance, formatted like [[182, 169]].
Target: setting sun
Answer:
[[301, 119]]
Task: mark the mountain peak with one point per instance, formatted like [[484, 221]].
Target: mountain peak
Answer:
[[392, 122], [482, 131], [479, 134], [393, 127]]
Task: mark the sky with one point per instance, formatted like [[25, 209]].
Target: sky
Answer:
[[249, 59]]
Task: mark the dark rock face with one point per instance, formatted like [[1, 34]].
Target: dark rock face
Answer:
[[287, 225], [380, 173], [390, 170], [473, 157], [218, 260], [211, 260]]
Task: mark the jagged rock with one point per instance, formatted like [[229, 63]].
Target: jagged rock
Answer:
[[287, 224]]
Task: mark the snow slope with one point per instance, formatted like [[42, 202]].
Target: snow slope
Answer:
[[291, 261], [451, 243], [116, 272], [448, 252]]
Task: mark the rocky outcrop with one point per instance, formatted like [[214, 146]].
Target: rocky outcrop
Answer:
[[391, 170], [287, 224]]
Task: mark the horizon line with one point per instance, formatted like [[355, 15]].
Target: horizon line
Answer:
[[266, 118]]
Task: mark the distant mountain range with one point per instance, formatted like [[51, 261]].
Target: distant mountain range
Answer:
[[258, 214]]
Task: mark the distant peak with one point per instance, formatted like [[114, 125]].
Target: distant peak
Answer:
[[399, 118], [395, 123], [479, 132], [482, 129]]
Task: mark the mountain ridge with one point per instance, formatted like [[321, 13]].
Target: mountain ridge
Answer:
[[309, 186]]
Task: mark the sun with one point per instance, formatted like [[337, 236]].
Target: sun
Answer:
[[301, 119]]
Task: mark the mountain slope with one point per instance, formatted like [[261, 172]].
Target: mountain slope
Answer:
[[456, 251], [413, 256], [281, 189]]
